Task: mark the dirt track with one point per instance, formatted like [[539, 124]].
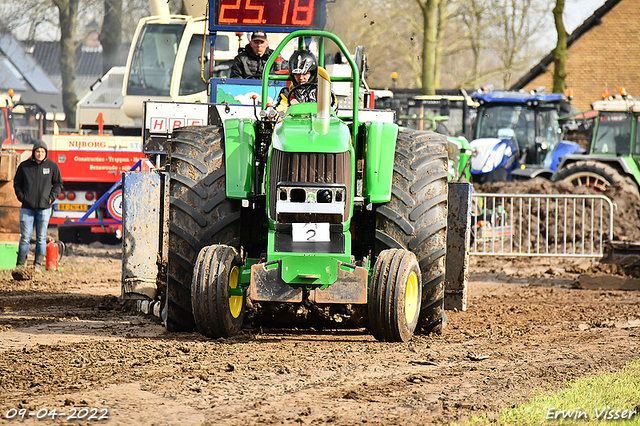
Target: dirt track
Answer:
[[67, 342]]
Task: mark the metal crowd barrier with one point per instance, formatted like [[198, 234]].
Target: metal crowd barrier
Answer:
[[540, 225]]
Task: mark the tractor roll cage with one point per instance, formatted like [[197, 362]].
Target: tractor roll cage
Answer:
[[354, 79]]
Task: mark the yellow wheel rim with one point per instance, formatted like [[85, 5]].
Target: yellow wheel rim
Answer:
[[411, 298], [235, 302]]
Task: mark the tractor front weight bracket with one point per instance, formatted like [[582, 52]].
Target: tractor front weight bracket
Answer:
[[267, 285]]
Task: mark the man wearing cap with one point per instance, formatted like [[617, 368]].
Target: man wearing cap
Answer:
[[37, 184], [250, 61]]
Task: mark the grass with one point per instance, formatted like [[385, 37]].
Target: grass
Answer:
[[609, 394]]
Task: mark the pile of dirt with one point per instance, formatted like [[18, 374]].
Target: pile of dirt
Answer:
[[626, 225]]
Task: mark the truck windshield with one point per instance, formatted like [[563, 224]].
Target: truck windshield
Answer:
[[153, 59], [613, 135], [191, 80]]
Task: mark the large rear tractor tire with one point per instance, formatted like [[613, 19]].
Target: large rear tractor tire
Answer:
[[597, 176], [200, 214], [394, 296], [591, 174], [415, 218], [217, 313]]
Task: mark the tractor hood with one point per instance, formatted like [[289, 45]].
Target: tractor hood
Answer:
[[490, 154], [298, 132]]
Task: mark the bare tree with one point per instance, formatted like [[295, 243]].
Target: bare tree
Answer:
[[388, 47], [132, 11], [429, 9], [560, 52], [446, 9], [68, 14], [111, 34], [69, 21], [518, 22], [471, 43], [476, 42], [473, 24], [28, 17]]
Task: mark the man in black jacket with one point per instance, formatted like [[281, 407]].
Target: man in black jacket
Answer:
[[37, 184], [250, 61]]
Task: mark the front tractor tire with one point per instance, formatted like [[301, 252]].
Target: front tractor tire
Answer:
[[217, 313], [200, 214], [415, 218], [394, 296]]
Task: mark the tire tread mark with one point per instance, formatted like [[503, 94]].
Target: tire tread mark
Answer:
[[426, 206], [190, 184], [189, 210], [192, 161], [406, 227]]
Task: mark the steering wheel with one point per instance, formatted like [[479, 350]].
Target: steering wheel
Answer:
[[299, 88]]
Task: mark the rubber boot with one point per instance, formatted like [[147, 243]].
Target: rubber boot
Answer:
[[22, 261], [40, 260]]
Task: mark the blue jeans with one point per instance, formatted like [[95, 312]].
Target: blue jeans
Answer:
[[27, 219]]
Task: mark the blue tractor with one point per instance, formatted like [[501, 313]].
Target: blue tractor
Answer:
[[517, 135]]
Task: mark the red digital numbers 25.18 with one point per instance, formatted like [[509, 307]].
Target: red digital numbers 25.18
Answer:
[[285, 13]]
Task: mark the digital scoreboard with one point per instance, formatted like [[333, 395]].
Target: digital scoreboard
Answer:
[[267, 15]]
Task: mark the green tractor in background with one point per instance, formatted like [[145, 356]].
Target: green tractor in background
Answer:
[[612, 155], [340, 212], [458, 147], [611, 161], [448, 112], [459, 153]]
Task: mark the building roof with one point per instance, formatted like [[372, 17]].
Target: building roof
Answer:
[[20, 72], [88, 61], [588, 24], [23, 72], [32, 70]]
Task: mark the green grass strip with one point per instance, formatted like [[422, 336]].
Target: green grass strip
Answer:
[[608, 399]]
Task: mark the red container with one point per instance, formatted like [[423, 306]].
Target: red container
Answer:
[[53, 254]]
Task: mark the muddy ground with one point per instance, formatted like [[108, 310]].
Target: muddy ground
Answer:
[[68, 343]]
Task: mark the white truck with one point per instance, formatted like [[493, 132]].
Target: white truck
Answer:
[[169, 60]]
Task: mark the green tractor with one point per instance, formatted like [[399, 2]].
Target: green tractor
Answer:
[[612, 155], [460, 153], [339, 212], [450, 113]]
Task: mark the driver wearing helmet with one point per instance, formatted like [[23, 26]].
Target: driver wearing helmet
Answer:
[[303, 69]]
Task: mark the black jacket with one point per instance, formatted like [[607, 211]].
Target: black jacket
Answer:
[[249, 65], [305, 94], [37, 185]]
